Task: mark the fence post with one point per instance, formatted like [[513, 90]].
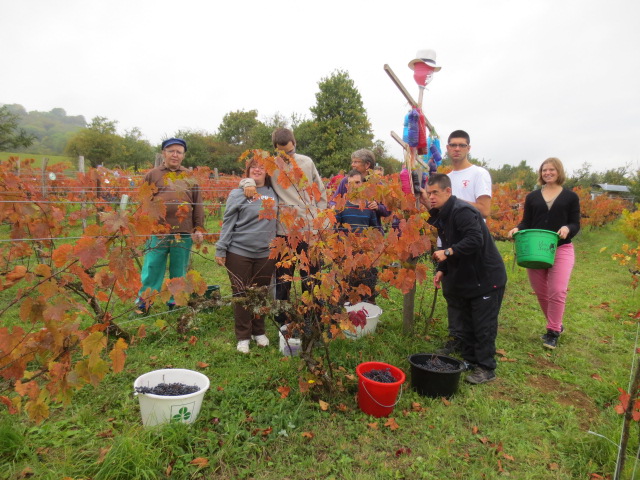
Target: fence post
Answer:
[[82, 192], [45, 160], [158, 161]]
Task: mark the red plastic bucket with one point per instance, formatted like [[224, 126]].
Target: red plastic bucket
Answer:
[[378, 398]]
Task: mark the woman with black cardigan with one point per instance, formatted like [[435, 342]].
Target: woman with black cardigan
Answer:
[[557, 209]]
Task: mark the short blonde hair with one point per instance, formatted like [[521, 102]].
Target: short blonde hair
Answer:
[[558, 166]]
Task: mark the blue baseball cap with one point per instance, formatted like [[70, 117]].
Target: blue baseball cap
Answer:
[[174, 141]]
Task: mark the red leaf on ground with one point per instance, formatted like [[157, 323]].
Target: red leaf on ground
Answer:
[[392, 424], [284, 391]]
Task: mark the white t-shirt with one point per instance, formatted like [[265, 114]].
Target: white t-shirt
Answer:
[[469, 184]]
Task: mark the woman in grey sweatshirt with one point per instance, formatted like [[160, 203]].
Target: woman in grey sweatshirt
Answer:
[[243, 249]]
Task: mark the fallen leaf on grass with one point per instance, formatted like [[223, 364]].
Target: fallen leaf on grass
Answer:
[[553, 466], [475, 430], [392, 424], [102, 454], [508, 457], [220, 389], [284, 391], [303, 385], [142, 331], [595, 376], [202, 365], [343, 408], [416, 407], [200, 462], [26, 473], [350, 377], [323, 405], [502, 352], [373, 426], [307, 434], [500, 469], [445, 401], [193, 340], [484, 440], [105, 434], [403, 451]]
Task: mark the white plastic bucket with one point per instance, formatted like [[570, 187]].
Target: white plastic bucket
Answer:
[[293, 348], [157, 409], [373, 316]]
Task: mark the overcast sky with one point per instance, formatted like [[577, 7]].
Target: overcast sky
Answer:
[[527, 79]]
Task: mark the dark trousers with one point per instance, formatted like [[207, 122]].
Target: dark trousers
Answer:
[[245, 272], [283, 287], [479, 318]]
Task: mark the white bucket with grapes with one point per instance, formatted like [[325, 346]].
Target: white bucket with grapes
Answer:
[[170, 395]]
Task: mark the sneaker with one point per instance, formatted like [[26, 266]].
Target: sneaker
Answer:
[[551, 339], [454, 345], [243, 346], [480, 375], [142, 309], [261, 340]]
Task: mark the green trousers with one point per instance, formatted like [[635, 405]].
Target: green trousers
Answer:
[[158, 250]]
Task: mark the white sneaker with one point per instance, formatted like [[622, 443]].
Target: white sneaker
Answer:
[[261, 340], [243, 346]]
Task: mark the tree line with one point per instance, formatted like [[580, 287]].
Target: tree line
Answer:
[[337, 125]]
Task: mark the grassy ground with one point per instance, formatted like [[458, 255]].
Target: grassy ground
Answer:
[[53, 159], [533, 422]]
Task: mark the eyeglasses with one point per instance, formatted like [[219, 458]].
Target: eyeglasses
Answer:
[[458, 145]]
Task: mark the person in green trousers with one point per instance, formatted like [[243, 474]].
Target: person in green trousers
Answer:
[[184, 216]]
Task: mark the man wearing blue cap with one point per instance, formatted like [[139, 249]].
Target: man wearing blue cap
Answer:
[[184, 218]]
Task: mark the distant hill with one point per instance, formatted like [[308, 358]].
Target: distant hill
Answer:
[[52, 129]]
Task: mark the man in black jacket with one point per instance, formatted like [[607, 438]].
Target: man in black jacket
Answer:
[[471, 271]]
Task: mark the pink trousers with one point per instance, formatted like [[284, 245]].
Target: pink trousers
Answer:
[[551, 285]]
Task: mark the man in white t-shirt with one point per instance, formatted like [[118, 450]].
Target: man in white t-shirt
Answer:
[[472, 184]]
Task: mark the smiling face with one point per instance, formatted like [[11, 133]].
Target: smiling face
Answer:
[[258, 173], [173, 156], [549, 173]]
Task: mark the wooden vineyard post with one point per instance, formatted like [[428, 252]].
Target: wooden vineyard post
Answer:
[[411, 159], [83, 205]]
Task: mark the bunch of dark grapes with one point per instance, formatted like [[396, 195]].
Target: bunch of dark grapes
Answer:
[[169, 389], [359, 318], [434, 364], [382, 376]]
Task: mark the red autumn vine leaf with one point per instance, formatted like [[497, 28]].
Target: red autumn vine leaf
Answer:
[[284, 391], [118, 355]]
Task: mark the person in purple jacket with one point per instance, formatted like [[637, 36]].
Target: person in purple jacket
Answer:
[[363, 161]]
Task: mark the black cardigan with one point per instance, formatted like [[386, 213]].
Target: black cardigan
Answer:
[[565, 212]]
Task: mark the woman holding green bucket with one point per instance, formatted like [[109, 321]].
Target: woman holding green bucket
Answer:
[[557, 209]]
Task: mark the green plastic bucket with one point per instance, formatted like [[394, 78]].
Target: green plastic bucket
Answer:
[[536, 248]]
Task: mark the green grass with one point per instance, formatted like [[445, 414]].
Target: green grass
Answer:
[[531, 423], [53, 159]]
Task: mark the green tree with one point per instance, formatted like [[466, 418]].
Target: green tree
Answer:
[[384, 159], [99, 143], [205, 149], [521, 175], [338, 127], [136, 152], [241, 128], [11, 136]]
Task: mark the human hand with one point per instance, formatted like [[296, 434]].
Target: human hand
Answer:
[[197, 237], [372, 205], [563, 232], [221, 261], [250, 192], [512, 231], [437, 278], [439, 256]]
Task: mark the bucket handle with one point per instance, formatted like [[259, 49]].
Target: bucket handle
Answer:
[[379, 404]]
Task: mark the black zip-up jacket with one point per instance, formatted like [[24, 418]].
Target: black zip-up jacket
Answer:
[[476, 267]]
